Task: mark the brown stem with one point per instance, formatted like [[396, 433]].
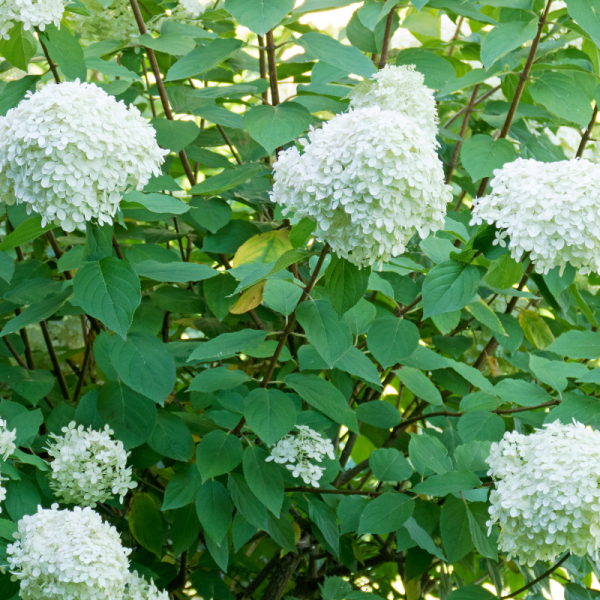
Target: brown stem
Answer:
[[538, 579], [588, 132], [84, 367], [181, 578], [310, 490], [162, 92], [463, 129], [262, 65], [386, 38], [272, 68], [228, 142], [50, 61], [262, 575], [57, 370], [181, 250], [478, 101], [57, 251], [117, 248], [282, 576], [152, 107], [455, 36], [288, 328], [523, 77], [14, 353], [352, 437]]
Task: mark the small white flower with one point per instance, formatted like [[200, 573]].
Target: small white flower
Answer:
[[370, 179], [138, 588], [88, 466], [114, 23], [2, 491], [68, 151], [299, 449], [7, 438], [551, 210], [32, 13], [195, 8], [547, 497], [68, 555], [401, 89]]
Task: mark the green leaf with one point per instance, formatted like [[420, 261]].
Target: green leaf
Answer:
[[346, 284], [386, 513], [22, 498], [7, 267], [481, 155], [270, 414], [263, 478], [325, 397], [10, 96], [390, 340], [281, 295], [145, 523], [37, 312], [174, 135], [171, 437], [484, 545], [182, 488], [422, 538], [131, 415], [420, 385], [436, 69], [158, 203], [584, 409], [110, 68], [211, 213], [504, 272], [389, 465], [203, 58], [332, 52], [259, 15], [226, 180], [505, 37], [428, 455], [326, 520], [274, 126], [449, 286], [246, 502], [522, 393], [282, 532], [585, 14], [214, 509], [448, 483], [471, 592], [27, 425], [301, 232], [481, 425], [174, 272], [169, 43], [109, 290], [219, 552], [25, 232], [561, 96], [486, 316], [353, 361], [143, 362], [185, 528], [31, 384], [65, 51], [577, 344], [378, 414], [219, 378], [218, 453], [98, 242], [227, 345], [324, 329], [19, 48], [454, 527]]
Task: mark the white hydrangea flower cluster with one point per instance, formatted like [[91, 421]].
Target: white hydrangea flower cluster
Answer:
[[65, 332], [7, 439], [401, 89], [70, 150], [549, 209], [138, 588], [32, 13], [114, 23], [68, 555], [547, 497], [299, 449], [369, 178], [88, 466], [195, 8]]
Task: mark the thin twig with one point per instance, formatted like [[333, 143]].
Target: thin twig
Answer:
[[64, 388], [152, 107], [455, 36], [262, 65], [50, 61], [478, 101], [386, 38], [588, 132], [228, 142], [538, 579], [272, 68], [84, 367]]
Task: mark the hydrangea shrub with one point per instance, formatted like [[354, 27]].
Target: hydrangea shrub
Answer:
[[299, 300]]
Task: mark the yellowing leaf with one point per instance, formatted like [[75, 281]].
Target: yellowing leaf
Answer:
[[250, 299], [263, 248], [536, 330]]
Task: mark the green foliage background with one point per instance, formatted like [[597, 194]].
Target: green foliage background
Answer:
[[212, 326]]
